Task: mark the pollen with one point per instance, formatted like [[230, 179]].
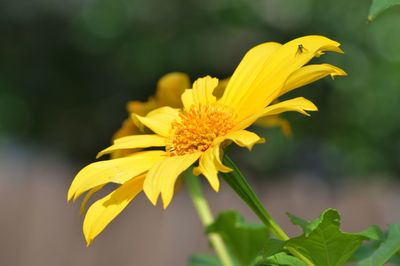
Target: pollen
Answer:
[[198, 127]]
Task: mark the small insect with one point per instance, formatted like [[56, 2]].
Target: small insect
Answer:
[[171, 150], [301, 49]]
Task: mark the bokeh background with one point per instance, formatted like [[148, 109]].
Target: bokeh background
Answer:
[[68, 68]]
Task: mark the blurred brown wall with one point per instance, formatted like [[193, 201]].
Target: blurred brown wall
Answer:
[[39, 228]]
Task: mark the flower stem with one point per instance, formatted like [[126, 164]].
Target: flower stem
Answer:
[[239, 183], [203, 210]]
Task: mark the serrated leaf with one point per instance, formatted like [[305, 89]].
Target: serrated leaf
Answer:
[[322, 241], [379, 6], [244, 240], [204, 260], [304, 224], [308, 227], [280, 259], [386, 249]]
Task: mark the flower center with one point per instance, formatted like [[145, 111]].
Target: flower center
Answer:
[[197, 128]]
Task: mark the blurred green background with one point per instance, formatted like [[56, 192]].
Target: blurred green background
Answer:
[[67, 69]]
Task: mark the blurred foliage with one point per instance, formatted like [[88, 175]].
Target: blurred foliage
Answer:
[[379, 6], [68, 68]]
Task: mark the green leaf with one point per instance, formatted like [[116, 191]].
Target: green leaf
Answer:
[[272, 247], [204, 260], [281, 259], [365, 250], [373, 233], [244, 240], [386, 249], [304, 224], [273, 254], [322, 241], [395, 260], [308, 227], [378, 6]]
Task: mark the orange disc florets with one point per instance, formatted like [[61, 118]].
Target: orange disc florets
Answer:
[[197, 128]]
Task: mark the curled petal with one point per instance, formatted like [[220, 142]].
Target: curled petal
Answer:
[[208, 168], [244, 138], [298, 104], [217, 160], [308, 74]]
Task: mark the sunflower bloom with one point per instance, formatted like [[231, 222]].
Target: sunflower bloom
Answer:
[[202, 128], [168, 93]]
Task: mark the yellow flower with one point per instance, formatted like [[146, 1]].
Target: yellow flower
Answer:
[[168, 93], [201, 130]]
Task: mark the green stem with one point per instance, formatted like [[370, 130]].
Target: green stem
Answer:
[[239, 183], [206, 218]]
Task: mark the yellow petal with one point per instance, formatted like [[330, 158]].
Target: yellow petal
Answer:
[[159, 120], [141, 108], [244, 138], [133, 142], [275, 121], [217, 160], [208, 168], [298, 104], [87, 198], [308, 74], [247, 75], [103, 211], [115, 171], [170, 88], [210, 164], [201, 93], [162, 176], [220, 89], [127, 128], [261, 76]]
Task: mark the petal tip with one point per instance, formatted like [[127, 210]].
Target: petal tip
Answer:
[[166, 203], [151, 196], [216, 187], [98, 155], [88, 242], [70, 195]]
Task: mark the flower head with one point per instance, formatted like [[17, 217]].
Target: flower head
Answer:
[[200, 130], [168, 93]]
